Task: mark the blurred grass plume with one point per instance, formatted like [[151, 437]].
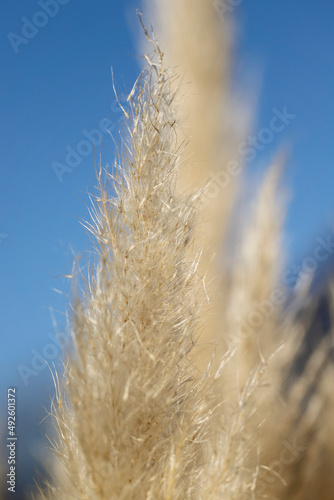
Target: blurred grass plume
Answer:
[[165, 394]]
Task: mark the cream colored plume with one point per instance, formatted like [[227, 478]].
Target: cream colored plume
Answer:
[[197, 41], [144, 411]]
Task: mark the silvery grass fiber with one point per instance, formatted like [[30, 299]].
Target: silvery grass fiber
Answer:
[[134, 418], [144, 409]]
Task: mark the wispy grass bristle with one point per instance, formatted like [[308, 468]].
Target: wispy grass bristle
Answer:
[[170, 389]]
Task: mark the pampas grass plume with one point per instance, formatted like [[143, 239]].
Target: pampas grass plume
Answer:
[[142, 411]]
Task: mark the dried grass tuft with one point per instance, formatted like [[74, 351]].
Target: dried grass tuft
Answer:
[[143, 412]]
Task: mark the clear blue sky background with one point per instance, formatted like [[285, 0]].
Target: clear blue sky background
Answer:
[[59, 83]]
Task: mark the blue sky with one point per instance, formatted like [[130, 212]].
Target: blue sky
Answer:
[[291, 43], [56, 87]]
